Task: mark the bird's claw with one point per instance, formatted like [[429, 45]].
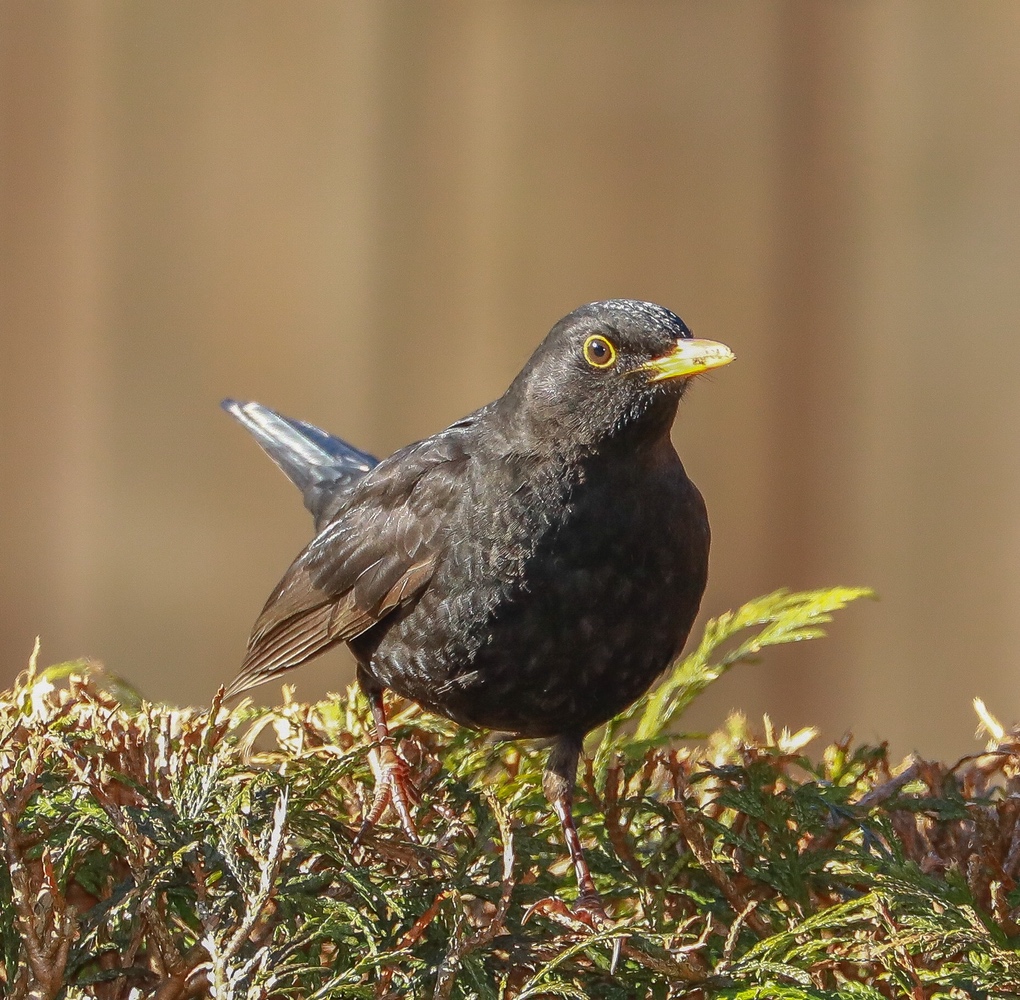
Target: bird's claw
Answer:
[[590, 909], [588, 913], [393, 786]]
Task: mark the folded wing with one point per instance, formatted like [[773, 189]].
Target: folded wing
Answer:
[[379, 553]]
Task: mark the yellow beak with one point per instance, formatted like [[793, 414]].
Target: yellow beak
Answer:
[[689, 357]]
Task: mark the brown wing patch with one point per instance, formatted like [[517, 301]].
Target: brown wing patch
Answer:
[[276, 645], [378, 554], [292, 642], [408, 585]]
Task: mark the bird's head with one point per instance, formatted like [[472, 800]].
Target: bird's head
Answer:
[[608, 369]]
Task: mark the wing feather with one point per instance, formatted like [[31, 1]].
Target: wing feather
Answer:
[[379, 553], [291, 643]]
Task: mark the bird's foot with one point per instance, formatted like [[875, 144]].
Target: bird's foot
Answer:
[[588, 913], [558, 786], [590, 908], [393, 786]]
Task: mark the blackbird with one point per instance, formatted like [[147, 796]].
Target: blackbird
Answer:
[[531, 569]]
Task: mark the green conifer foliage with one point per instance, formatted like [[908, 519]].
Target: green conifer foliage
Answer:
[[175, 853]]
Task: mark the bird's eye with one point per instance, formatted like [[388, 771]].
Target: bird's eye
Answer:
[[598, 351]]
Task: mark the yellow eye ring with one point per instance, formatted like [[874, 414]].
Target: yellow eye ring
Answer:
[[598, 351]]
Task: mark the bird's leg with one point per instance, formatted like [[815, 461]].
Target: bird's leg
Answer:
[[558, 784], [392, 780]]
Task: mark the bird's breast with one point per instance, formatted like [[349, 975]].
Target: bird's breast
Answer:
[[559, 598]]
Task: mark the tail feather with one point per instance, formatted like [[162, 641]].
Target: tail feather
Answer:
[[322, 466]]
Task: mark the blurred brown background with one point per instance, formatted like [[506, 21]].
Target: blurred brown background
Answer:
[[367, 214]]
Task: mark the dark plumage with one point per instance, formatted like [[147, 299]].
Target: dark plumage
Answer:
[[531, 569]]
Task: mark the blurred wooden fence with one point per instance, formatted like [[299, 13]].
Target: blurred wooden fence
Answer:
[[366, 214]]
